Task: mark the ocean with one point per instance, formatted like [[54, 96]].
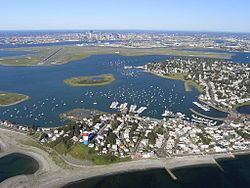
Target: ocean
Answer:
[[236, 174]]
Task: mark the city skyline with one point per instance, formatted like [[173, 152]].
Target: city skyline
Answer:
[[223, 16]]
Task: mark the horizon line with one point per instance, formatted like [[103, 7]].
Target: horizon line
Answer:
[[149, 30]]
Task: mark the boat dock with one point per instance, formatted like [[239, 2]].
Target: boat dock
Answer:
[[131, 109], [205, 116]]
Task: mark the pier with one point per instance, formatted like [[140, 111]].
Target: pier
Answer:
[[171, 173], [205, 116], [218, 165]]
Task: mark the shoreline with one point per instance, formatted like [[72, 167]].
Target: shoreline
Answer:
[[76, 81], [189, 82], [87, 51], [194, 84], [17, 102], [198, 163], [51, 175], [241, 105]]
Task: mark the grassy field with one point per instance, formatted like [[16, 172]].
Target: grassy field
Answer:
[[8, 99], [97, 80], [83, 152], [64, 54]]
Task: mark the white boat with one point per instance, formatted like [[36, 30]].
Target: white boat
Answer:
[[167, 113], [132, 108], [141, 109], [114, 105], [123, 106]]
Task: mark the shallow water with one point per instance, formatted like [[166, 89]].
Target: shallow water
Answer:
[[244, 109], [16, 164], [13, 53]]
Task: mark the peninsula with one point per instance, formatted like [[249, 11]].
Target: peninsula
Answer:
[[223, 84]]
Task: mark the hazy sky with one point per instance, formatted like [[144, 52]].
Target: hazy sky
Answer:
[[201, 15]]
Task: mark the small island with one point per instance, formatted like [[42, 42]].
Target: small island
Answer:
[[96, 80], [9, 98]]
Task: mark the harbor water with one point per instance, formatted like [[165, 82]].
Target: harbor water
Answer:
[[50, 96]]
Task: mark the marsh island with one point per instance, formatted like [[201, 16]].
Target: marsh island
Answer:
[[8, 98], [96, 80]]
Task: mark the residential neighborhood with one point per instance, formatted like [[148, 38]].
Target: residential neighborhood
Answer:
[[223, 84]]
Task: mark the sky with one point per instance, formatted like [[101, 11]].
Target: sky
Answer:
[[177, 15]]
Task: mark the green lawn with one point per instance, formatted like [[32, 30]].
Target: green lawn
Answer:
[[83, 152]]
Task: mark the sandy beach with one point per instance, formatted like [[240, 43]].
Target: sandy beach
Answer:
[[51, 175]]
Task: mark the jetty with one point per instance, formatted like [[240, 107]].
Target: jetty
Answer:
[[171, 173], [218, 165]]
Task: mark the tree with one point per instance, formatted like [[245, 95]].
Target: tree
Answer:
[[96, 119], [115, 124], [44, 136], [152, 137], [159, 130], [111, 138]]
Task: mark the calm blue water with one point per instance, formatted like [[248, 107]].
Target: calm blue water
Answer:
[[16, 164], [50, 96], [53, 44], [244, 109], [239, 57], [13, 53], [236, 175]]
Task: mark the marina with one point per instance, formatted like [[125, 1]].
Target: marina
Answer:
[[205, 116], [124, 107]]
